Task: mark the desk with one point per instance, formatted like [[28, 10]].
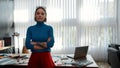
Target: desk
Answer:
[[58, 62]]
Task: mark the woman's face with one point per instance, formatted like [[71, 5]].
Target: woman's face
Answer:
[[40, 15]]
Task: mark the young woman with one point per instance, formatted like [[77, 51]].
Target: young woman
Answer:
[[40, 40]]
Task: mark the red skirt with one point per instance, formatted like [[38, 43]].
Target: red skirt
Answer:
[[41, 60]]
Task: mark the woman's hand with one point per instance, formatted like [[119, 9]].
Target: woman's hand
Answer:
[[36, 47], [49, 39], [43, 44], [39, 45], [34, 43]]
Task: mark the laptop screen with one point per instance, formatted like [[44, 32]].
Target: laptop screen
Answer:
[[80, 52]]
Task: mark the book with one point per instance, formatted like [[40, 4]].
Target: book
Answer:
[[1, 43]]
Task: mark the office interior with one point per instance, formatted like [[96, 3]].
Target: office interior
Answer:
[[93, 23]]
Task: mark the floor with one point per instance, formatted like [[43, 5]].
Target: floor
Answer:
[[103, 65]]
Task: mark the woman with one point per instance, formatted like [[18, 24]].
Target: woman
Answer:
[[40, 40]]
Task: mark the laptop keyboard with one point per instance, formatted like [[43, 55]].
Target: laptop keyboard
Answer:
[[82, 62]]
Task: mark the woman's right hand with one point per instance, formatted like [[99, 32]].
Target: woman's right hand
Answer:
[[34, 43], [36, 47]]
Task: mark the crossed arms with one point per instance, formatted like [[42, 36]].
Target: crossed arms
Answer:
[[40, 45]]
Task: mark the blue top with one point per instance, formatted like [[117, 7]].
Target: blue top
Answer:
[[39, 33]]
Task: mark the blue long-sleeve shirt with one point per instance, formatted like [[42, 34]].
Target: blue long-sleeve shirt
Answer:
[[39, 33]]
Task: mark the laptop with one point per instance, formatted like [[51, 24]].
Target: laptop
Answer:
[[80, 53]]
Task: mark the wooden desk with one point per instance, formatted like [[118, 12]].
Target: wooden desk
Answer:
[[59, 63]]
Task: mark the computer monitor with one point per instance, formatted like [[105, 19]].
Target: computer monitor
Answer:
[[7, 41]]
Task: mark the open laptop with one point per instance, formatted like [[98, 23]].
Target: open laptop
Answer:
[[80, 53]]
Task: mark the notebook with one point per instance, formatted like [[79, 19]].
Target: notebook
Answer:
[[80, 53]]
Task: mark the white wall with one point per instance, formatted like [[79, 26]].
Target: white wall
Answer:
[[6, 18], [118, 15]]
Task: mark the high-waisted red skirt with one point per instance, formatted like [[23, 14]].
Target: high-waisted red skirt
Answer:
[[41, 60]]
